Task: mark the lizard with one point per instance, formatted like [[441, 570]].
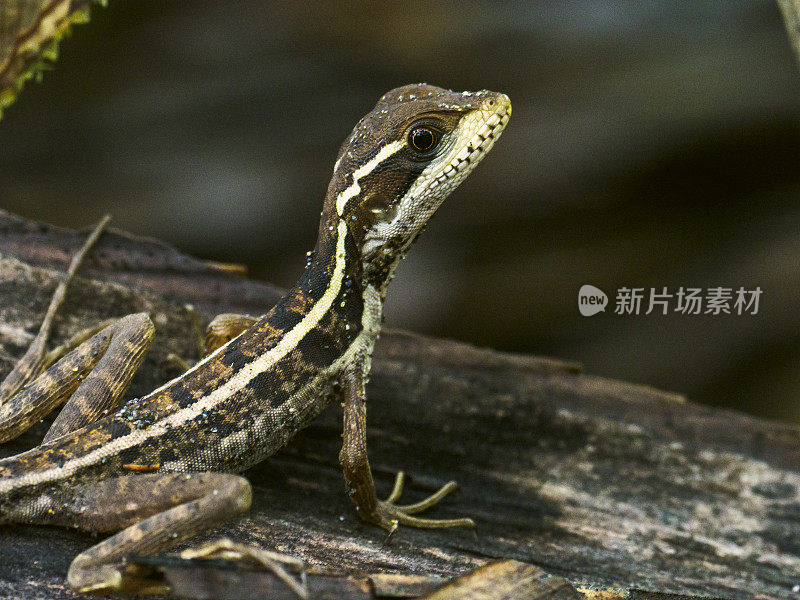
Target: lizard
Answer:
[[158, 469]]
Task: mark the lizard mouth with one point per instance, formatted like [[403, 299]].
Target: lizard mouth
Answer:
[[480, 129]]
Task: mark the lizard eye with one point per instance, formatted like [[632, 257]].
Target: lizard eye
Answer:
[[424, 139]]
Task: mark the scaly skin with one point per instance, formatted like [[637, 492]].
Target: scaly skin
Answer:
[[250, 395]]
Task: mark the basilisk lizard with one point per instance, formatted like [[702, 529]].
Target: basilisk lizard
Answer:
[[161, 468]]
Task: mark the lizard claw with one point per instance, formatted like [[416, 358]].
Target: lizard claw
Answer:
[[279, 564], [389, 515]]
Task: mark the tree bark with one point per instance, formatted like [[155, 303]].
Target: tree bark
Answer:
[[600, 482]]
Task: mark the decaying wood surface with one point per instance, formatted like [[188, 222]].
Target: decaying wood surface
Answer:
[[599, 482]]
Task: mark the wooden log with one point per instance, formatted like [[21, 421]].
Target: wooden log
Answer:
[[603, 483]]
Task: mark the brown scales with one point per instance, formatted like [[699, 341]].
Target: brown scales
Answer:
[[246, 399]]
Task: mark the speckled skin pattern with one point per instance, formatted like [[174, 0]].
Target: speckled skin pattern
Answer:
[[249, 396]]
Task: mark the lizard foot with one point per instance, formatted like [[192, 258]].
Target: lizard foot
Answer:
[[134, 577], [389, 515], [279, 564]]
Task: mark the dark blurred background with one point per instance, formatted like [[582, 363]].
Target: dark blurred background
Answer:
[[652, 144]]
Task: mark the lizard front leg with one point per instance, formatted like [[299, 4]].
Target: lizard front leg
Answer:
[[223, 328], [358, 474]]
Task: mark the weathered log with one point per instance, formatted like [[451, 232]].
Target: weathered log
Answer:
[[603, 483]]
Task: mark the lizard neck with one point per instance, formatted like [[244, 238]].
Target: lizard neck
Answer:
[[335, 259], [335, 266], [373, 273]]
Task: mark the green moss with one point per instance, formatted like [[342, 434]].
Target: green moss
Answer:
[[47, 56]]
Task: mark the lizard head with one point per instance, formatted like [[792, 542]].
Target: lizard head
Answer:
[[402, 160]]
